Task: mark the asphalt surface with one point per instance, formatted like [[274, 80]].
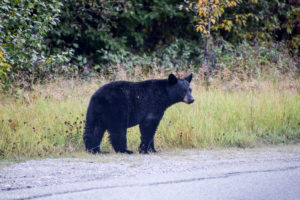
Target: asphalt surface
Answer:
[[264, 173]]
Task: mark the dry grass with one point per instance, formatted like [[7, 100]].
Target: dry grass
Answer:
[[233, 111]]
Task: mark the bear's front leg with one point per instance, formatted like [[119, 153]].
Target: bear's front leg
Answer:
[[148, 128], [151, 147]]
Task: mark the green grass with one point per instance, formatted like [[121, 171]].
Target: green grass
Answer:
[[49, 120]]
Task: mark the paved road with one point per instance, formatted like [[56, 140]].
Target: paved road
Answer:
[[268, 173]]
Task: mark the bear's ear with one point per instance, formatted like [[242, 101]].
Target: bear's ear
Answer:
[[172, 79], [189, 78]]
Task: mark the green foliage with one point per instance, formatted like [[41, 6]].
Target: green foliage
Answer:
[[270, 20], [180, 55], [86, 28], [43, 39], [255, 58], [4, 70], [105, 33], [23, 27]]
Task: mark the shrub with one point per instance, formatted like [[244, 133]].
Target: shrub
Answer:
[[23, 27]]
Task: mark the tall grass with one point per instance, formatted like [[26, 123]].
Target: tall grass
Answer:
[[49, 120]]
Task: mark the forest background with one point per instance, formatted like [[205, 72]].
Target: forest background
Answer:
[[43, 39]]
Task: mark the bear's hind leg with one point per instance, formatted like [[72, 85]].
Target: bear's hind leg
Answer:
[[92, 138], [119, 141]]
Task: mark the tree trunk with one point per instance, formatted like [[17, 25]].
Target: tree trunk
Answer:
[[206, 64]]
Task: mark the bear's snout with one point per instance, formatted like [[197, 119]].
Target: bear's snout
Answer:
[[188, 99], [191, 100]]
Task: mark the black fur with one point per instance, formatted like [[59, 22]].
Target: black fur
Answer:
[[119, 105]]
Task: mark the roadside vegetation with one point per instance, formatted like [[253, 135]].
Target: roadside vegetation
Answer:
[[49, 120]]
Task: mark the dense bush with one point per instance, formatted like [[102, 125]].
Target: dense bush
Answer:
[[39, 39], [269, 20], [24, 53], [105, 33]]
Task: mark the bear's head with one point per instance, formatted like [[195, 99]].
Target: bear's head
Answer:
[[179, 90]]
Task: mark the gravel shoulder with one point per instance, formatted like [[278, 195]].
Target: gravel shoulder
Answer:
[[178, 164]]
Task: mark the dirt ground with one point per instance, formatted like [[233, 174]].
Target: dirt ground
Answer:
[[47, 172]]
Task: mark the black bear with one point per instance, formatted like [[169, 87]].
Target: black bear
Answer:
[[119, 105]]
